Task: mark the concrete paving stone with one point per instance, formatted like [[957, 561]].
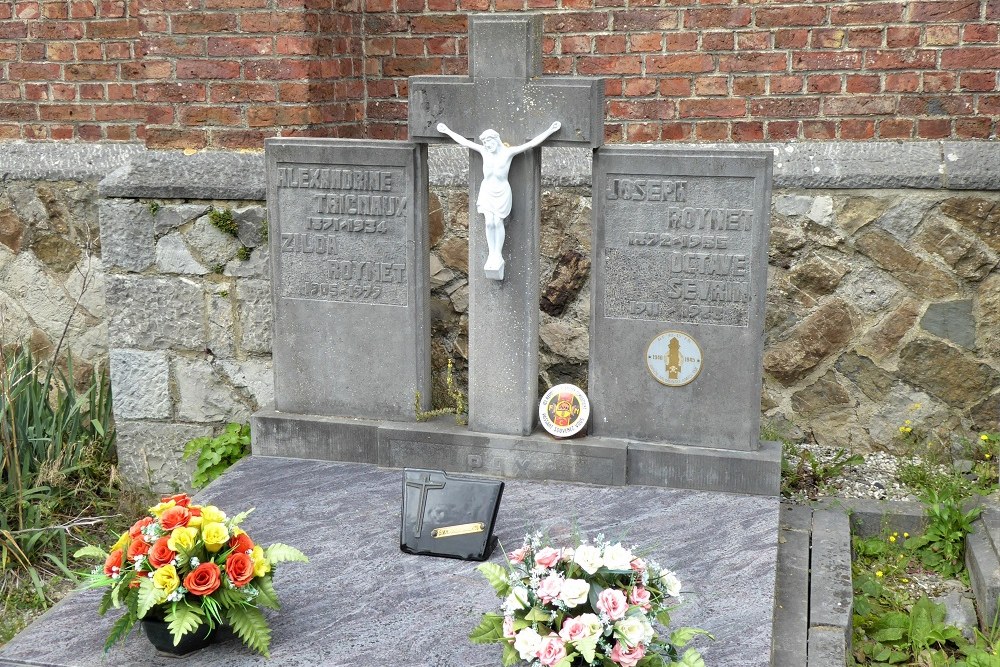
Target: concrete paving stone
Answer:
[[791, 595], [831, 594], [827, 647]]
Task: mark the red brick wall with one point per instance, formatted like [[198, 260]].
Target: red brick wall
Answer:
[[227, 73]]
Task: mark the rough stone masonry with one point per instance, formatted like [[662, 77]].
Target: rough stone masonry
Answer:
[[883, 284]]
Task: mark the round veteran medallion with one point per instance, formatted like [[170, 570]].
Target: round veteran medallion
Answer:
[[564, 410], [674, 358]]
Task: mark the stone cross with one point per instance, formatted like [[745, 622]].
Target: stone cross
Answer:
[[506, 92]]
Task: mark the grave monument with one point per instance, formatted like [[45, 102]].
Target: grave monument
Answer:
[[678, 284], [680, 256]]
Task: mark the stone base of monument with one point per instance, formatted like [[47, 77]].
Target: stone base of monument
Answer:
[[442, 445], [360, 601]]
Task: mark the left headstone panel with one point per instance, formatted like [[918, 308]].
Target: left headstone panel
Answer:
[[349, 262]]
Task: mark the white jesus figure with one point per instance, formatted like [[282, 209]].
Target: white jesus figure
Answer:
[[494, 199]]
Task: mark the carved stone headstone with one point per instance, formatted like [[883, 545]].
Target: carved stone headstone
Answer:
[[349, 257], [506, 92], [678, 294]]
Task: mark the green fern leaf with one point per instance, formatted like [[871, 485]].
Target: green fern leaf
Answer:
[[240, 518], [497, 576], [251, 626], [282, 553], [120, 630], [90, 551], [149, 596], [228, 597], [267, 597], [182, 619], [102, 608]]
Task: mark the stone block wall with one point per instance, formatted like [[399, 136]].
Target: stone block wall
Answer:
[[189, 326], [883, 303]]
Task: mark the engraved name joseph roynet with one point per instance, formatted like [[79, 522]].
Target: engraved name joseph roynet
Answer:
[[680, 248], [346, 241]]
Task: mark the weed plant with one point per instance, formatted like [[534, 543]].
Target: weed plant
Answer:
[[59, 487]]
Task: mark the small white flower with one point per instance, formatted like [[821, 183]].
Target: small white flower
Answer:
[[670, 583], [526, 643], [589, 558], [617, 557], [517, 600], [194, 562]]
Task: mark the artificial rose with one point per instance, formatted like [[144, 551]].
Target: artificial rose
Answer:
[[160, 553], [634, 630], [526, 643], [215, 535], [240, 542], [261, 565], [239, 567], [612, 602], [175, 517], [182, 538], [122, 542], [670, 583], [639, 596], [212, 514], [588, 557], [547, 557], [518, 555], [574, 592], [508, 627], [166, 579], [567, 554], [204, 579], [552, 650], [195, 521], [135, 532], [113, 563], [181, 499], [617, 557], [550, 587], [638, 564], [137, 548], [574, 629], [627, 657], [594, 625]]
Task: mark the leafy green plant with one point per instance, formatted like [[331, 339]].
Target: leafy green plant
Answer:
[[456, 395], [223, 220], [942, 546], [215, 455], [243, 254], [52, 439], [808, 473], [154, 208]]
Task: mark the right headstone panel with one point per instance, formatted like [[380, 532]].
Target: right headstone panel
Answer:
[[678, 294]]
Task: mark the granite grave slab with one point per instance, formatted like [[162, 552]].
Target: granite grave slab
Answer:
[[678, 295], [349, 260], [360, 601]]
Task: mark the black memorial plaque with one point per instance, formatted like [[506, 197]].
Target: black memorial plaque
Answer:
[[448, 516]]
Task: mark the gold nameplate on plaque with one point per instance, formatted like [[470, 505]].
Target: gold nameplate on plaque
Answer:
[[461, 529]]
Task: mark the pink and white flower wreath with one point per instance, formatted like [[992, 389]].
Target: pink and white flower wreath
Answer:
[[592, 605]]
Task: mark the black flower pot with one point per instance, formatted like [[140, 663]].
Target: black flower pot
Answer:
[[158, 633]]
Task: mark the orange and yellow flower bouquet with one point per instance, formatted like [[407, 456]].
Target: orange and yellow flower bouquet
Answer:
[[194, 568]]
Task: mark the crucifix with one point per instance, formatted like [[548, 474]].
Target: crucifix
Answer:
[[506, 93], [425, 484]]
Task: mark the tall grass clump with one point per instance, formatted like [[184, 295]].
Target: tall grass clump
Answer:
[[57, 464]]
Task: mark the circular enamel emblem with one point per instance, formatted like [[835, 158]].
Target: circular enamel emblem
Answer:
[[564, 410], [674, 358]]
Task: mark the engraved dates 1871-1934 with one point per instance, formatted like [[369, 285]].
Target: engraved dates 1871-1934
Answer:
[[350, 241]]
